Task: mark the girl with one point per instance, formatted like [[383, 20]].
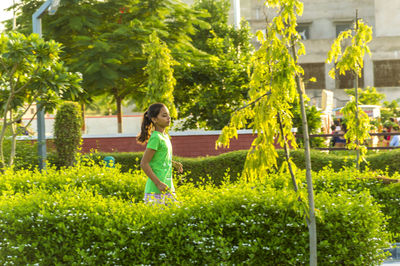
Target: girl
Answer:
[[157, 158]]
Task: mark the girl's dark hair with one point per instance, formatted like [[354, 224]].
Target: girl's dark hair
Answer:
[[147, 123]]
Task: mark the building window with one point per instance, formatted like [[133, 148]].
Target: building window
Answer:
[[314, 70], [304, 30], [258, 13], [343, 26], [347, 81], [387, 73]]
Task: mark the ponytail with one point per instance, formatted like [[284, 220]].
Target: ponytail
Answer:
[[147, 123], [145, 128]]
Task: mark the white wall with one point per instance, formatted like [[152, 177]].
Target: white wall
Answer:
[[103, 125], [387, 19]]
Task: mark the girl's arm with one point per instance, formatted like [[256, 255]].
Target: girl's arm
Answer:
[[145, 165], [178, 166]]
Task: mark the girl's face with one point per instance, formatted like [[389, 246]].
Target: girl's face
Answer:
[[163, 119]]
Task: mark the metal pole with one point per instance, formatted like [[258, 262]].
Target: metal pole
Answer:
[[41, 129], [236, 14]]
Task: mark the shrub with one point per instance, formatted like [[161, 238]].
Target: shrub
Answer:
[[236, 224], [108, 182], [227, 165], [126, 160], [26, 154], [319, 160], [349, 180], [215, 168], [387, 195], [67, 132], [388, 160]]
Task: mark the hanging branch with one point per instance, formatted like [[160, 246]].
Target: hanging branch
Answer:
[[287, 155], [253, 102], [352, 59]]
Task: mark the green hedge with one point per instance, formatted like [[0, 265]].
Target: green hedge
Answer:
[[388, 160], [228, 165], [216, 167], [108, 182], [67, 132], [353, 181], [26, 153], [235, 224]]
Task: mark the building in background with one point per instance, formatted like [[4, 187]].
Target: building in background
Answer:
[[321, 23]]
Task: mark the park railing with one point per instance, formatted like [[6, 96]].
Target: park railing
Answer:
[[344, 148]]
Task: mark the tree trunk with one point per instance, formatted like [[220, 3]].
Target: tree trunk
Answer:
[[287, 155], [356, 99], [356, 114], [14, 132], [312, 226], [4, 128], [118, 100], [13, 147], [2, 136], [2, 161], [83, 128]]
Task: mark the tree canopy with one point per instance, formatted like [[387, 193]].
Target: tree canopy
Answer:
[[31, 71], [367, 96], [104, 40], [209, 89]]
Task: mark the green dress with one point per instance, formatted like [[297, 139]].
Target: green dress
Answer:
[[161, 163]]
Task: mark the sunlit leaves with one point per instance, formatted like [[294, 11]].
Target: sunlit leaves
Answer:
[[367, 96], [161, 81], [357, 127], [31, 71], [272, 90], [352, 59]]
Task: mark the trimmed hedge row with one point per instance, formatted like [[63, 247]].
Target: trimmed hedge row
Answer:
[[236, 224], [108, 182], [195, 169], [386, 161], [201, 168], [353, 181], [219, 168]]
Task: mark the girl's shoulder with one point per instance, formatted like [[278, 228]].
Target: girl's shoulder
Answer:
[[153, 135], [158, 135]]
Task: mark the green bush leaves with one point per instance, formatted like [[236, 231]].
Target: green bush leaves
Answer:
[[91, 214]]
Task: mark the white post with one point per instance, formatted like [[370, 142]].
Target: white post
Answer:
[[236, 14]]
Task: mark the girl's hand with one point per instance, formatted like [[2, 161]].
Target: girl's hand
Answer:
[[178, 166], [162, 187]]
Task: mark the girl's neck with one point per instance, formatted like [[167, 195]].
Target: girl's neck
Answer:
[[160, 129]]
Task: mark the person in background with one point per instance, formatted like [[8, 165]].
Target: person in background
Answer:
[[338, 141], [157, 160], [23, 130], [395, 140], [389, 128]]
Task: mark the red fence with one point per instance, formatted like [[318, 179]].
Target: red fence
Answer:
[[187, 144], [183, 144]]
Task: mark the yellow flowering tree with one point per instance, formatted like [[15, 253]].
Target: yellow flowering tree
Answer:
[[352, 59], [275, 84]]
